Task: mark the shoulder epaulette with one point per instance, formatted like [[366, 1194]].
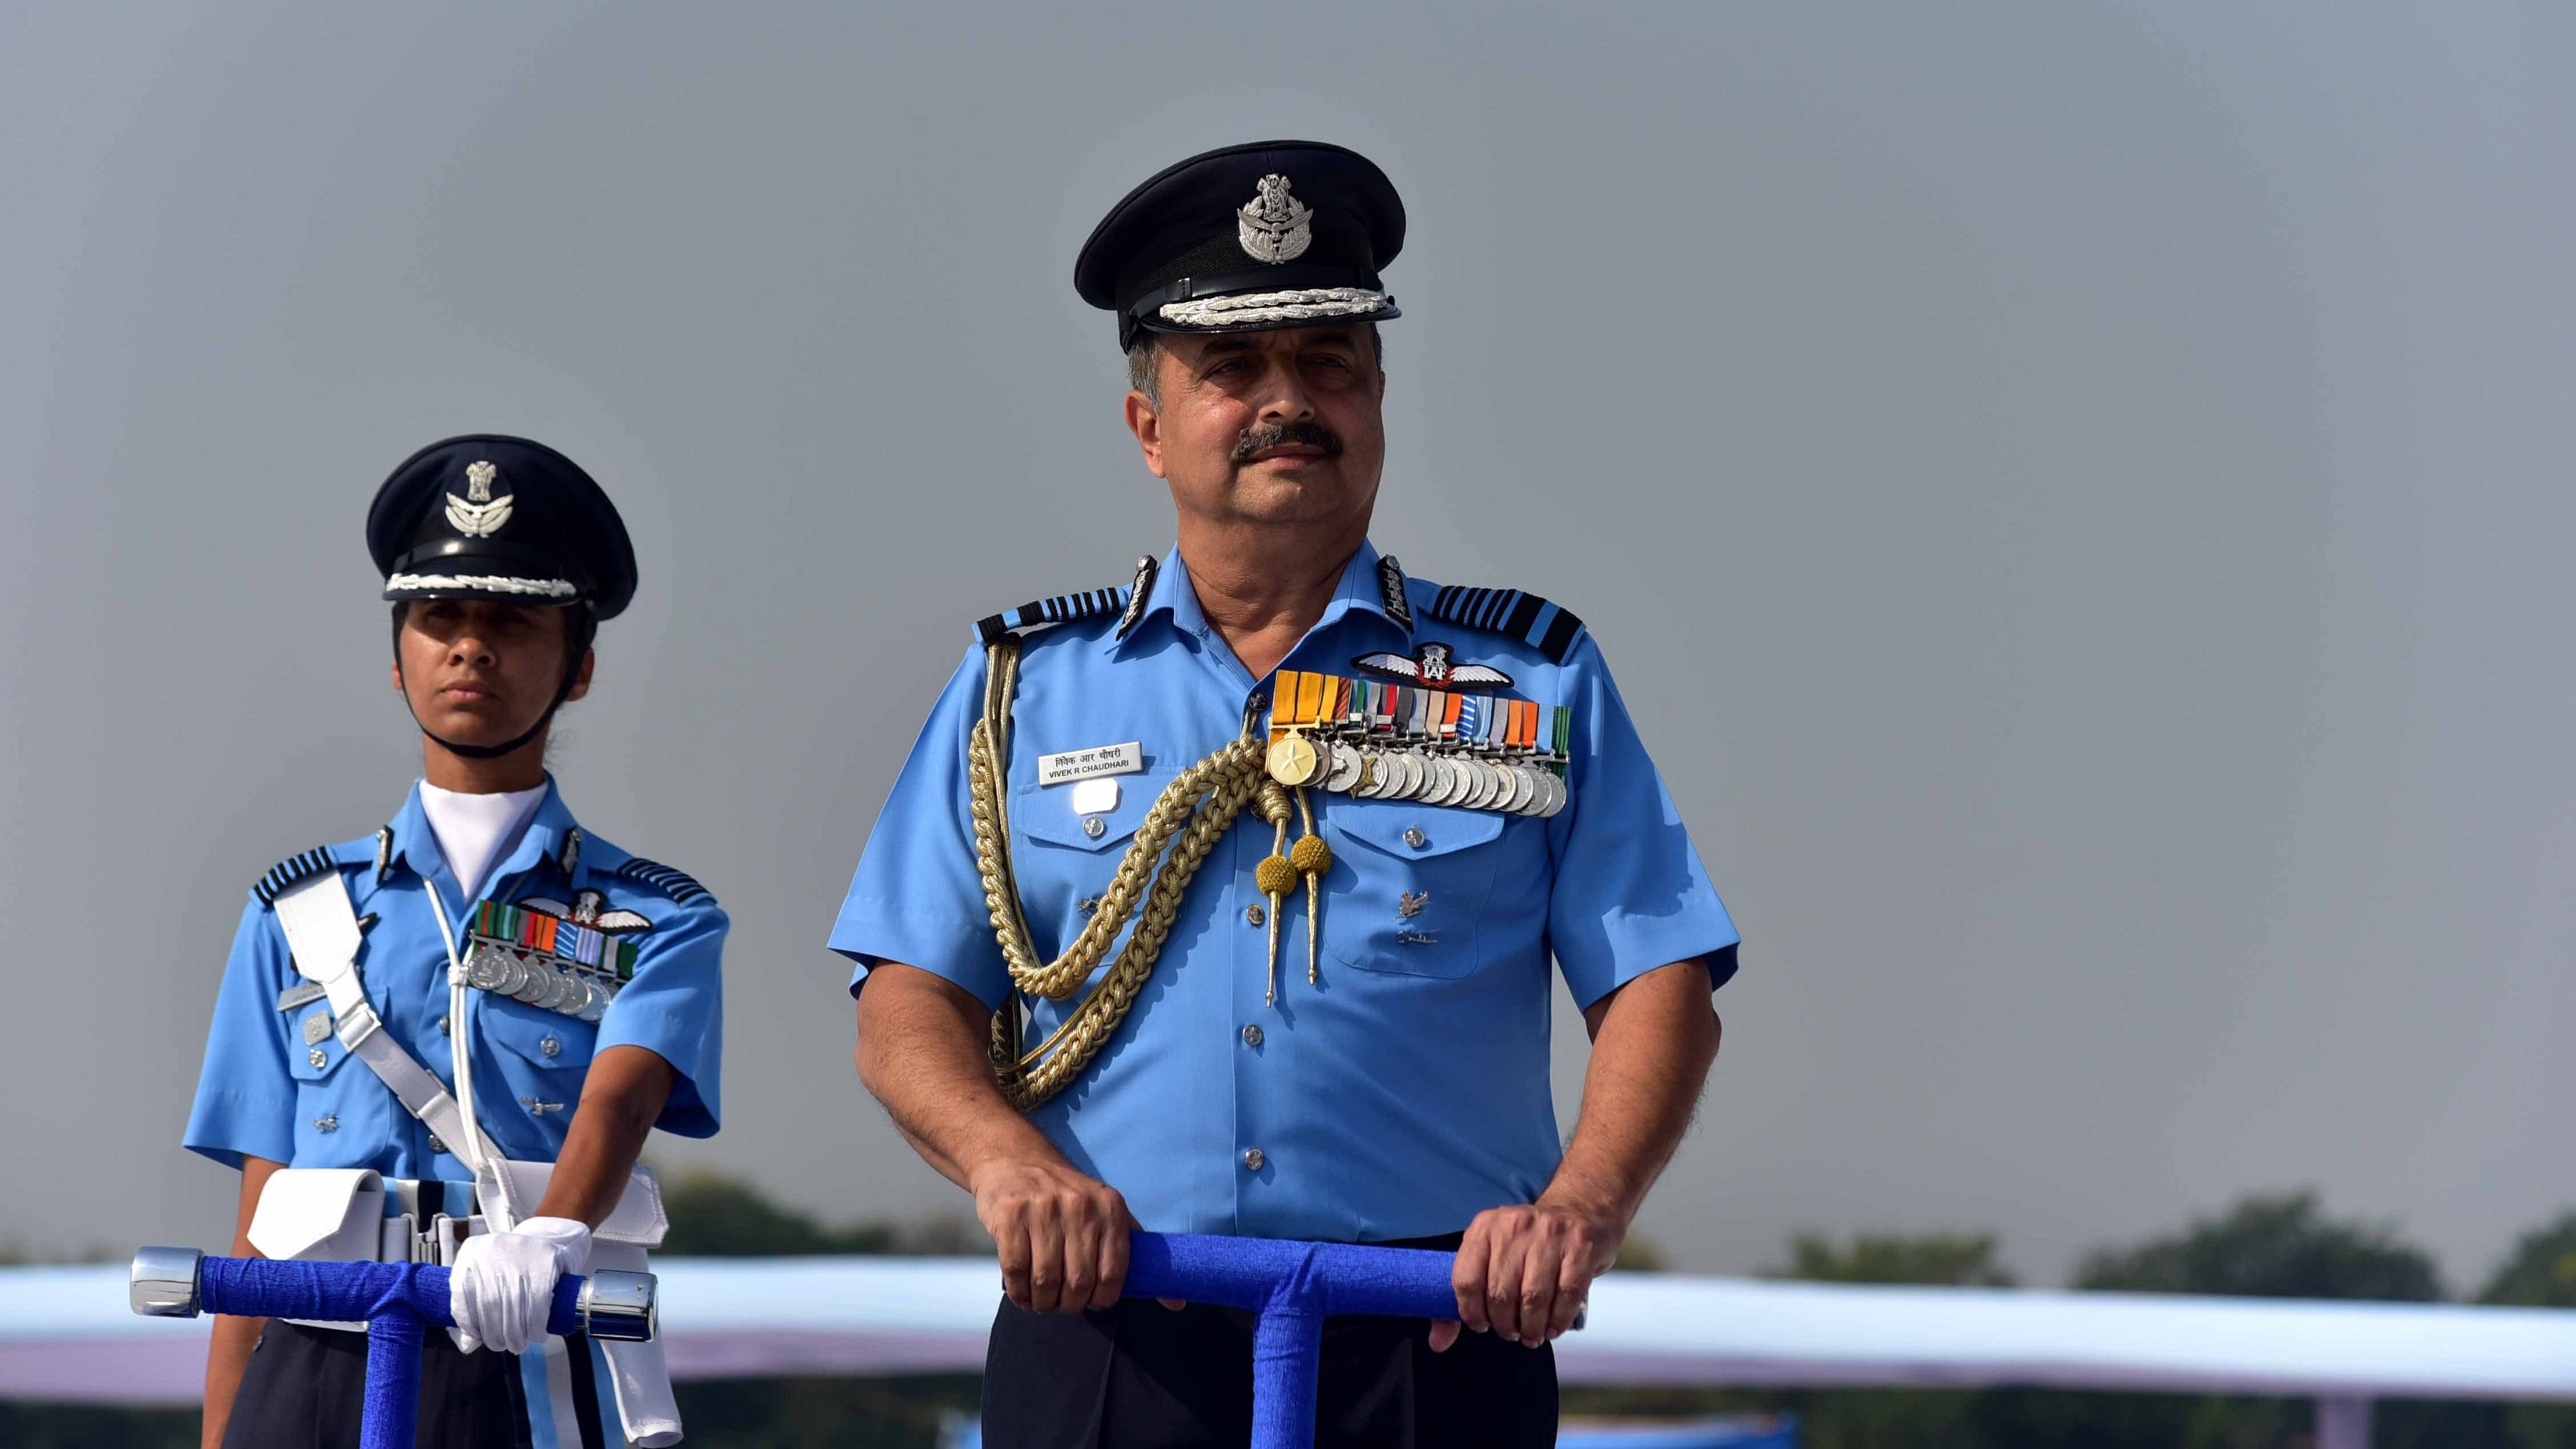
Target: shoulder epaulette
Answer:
[[1549, 628], [1062, 609], [303, 865], [1066, 608], [676, 884]]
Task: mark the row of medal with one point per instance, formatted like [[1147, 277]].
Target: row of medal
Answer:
[[546, 961], [1376, 741]]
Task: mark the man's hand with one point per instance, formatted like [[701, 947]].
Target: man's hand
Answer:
[[1062, 1236], [1524, 1272]]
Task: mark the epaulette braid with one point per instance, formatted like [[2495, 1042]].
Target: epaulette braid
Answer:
[[1062, 609], [296, 867], [1549, 628], [679, 885]]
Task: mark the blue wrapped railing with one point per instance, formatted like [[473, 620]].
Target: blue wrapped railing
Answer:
[[1290, 1287], [399, 1303]]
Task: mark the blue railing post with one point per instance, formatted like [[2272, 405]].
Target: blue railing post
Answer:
[[399, 1303], [1291, 1288], [392, 1412]]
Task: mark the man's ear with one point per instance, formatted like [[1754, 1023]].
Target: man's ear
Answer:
[[581, 679], [395, 670], [1147, 424]]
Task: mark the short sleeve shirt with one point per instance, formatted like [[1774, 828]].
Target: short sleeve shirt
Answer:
[[1406, 1088], [277, 1083]]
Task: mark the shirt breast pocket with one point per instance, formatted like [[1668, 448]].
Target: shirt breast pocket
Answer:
[[1408, 886], [1065, 859], [342, 1113], [543, 1054]]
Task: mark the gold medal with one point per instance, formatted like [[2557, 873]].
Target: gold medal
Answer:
[[1293, 759]]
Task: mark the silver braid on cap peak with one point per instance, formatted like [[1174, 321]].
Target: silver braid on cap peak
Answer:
[[1254, 308], [488, 583]]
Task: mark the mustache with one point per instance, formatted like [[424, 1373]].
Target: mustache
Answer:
[[1301, 432]]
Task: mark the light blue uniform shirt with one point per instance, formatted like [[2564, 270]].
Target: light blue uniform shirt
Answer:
[[277, 1088], [1409, 1090]]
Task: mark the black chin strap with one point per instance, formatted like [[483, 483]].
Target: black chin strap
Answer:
[[585, 628]]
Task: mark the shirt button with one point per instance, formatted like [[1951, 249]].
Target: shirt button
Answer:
[[1094, 826], [1414, 837], [1252, 914], [1252, 1160], [442, 1026], [1252, 1034], [316, 1057], [435, 1145], [550, 1047]]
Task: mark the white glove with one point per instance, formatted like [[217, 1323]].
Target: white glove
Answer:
[[503, 1284]]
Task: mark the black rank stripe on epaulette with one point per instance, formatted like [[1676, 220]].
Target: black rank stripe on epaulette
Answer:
[[676, 884], [1062, 609], [1548, 628], [301, 866]]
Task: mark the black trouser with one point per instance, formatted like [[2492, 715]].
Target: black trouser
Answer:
[[1140, 1376], [305, 1388]]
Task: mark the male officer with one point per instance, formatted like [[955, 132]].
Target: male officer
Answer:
[[1075, 994], [447, 1040]]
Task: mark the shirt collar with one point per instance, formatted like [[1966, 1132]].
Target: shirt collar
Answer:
[[1171, 596], [416, 845]]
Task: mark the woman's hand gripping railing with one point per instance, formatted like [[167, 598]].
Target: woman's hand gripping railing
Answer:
[[399, 1302]]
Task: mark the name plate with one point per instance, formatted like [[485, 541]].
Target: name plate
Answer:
[[1071, 765]]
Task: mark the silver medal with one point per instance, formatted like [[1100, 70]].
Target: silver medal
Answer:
[[1540, 793], [1346, 768], [1557, 794], [1489, 786], [532, 981], [1411, 776]]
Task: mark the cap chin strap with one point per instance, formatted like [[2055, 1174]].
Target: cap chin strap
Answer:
[[579, 637]]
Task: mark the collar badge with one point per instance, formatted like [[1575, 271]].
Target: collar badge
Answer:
[[478, 514], [1274, 227]]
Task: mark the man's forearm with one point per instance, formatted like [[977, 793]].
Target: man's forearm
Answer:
[[921, 1053], [1059, 1235], [1652, 1043]]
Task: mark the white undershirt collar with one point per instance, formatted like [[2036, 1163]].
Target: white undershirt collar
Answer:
[[474, 831]]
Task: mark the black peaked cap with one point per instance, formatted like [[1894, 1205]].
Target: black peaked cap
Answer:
[[1247, 239], [488, 516]]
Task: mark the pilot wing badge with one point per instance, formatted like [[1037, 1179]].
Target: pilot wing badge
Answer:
[[586, 910], [1434, 665], [478, 514], [1274, 227]]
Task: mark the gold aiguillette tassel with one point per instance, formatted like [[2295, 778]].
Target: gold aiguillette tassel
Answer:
[[1275, 876], [1312, 859]]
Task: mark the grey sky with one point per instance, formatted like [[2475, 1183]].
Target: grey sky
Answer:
[[2068, 491]]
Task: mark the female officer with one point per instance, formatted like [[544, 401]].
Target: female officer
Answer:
[[446, 1041]]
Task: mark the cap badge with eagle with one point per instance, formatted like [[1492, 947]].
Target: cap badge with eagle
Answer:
[[1272, 227], [478, 514]]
